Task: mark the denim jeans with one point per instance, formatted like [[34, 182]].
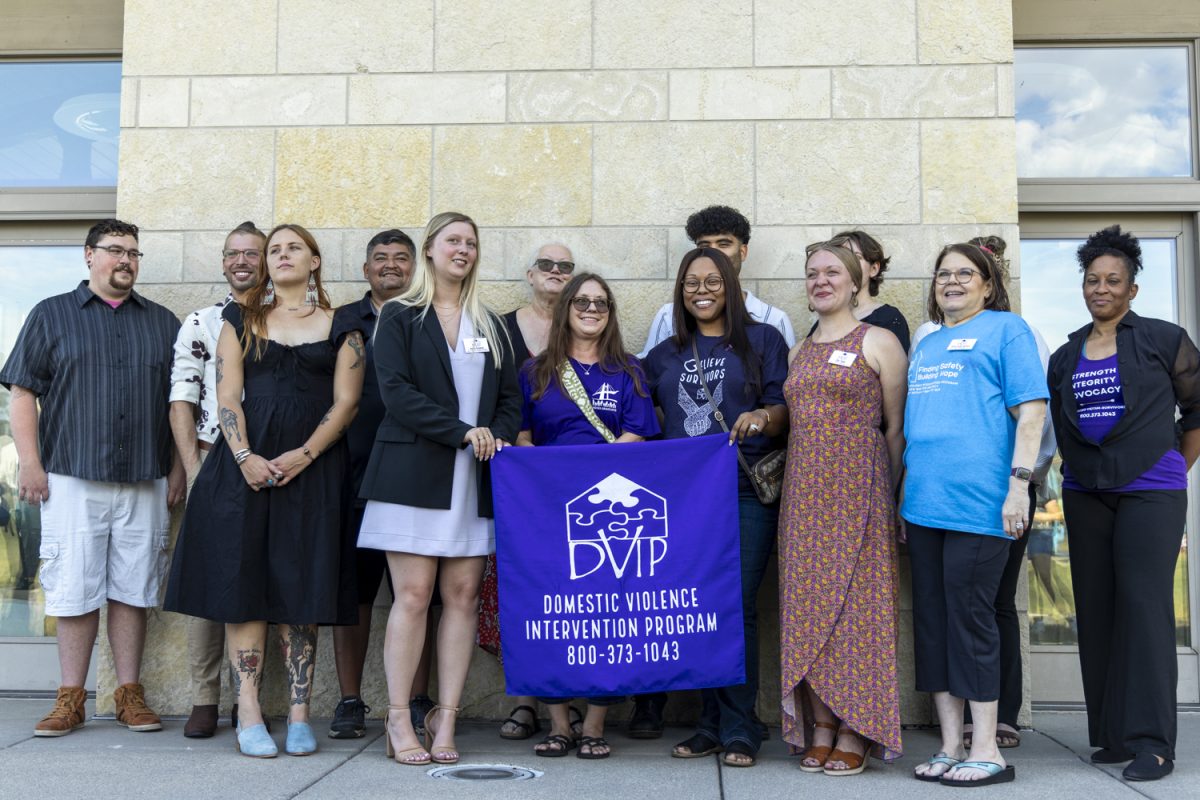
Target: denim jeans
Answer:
[[727, 714]]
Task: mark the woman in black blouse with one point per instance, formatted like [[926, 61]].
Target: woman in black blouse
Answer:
[[1114, 390]]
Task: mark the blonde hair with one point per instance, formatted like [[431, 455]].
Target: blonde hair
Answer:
[[420, 290]]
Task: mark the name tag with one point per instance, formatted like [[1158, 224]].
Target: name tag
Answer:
[[842, 358], [476, 345], [962, 344]]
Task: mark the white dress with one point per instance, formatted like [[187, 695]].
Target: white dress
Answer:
[[457, 531]]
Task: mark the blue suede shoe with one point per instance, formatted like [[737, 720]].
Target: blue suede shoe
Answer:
[[300, 739], [256, 742]]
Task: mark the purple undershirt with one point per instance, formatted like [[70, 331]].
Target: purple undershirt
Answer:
[[1101, 404]]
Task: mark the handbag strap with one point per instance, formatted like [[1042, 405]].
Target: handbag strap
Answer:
[[717, 411], [578, 395]]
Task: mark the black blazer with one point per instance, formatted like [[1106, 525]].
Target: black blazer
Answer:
[[412, 462], [1159, 369]]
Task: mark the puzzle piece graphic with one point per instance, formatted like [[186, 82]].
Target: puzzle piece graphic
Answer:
[[616, 507]]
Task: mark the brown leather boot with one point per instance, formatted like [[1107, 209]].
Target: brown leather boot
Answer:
[[132, 711], [67, 715], [202, 724]]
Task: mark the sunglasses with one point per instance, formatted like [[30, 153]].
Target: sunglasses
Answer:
[[547, 265], [584, 303]]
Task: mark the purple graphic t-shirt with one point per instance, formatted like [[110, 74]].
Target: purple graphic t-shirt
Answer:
[[1101, 404]]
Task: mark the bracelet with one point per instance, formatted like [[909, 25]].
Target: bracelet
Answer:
[[307, 453], [241, 455]]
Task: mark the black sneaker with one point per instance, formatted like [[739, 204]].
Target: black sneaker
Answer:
[[349, 719], [646, 721], [419, 708]]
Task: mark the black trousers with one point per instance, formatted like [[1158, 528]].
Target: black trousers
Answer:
[[1123, 552], [955, 577]]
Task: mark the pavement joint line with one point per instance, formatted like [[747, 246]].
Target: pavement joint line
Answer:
[[21, 741], [1098, 768], [350, 756]]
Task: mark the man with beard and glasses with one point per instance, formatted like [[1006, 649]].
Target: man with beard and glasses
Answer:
[[90, 380], [194, 426]]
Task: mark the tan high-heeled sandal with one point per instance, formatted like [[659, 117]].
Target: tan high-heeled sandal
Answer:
[[411, 756], [819, 753], [446, 755]]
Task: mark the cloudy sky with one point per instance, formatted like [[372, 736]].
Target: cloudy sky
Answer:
[[1103, 112]]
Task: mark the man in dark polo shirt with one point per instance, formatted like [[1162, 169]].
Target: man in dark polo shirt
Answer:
[[98, 458]]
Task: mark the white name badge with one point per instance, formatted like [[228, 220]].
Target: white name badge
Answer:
[[962, 344], [476, 345], [842, 358]]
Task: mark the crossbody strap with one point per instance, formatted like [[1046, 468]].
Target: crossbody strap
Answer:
[[716, 410], [578, 395]]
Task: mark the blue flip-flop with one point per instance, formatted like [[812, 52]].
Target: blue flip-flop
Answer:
[[940, 758], [995, 774]]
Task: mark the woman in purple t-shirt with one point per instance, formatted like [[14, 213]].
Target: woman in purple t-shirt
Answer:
[[1115, 388], [583, 389]]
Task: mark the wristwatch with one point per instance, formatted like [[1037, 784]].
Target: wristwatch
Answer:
[[1022, 474]]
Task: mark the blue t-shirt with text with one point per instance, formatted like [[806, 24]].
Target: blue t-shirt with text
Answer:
[[555, 419]]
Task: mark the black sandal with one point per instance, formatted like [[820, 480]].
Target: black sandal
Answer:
[[739, 748], [524, 729], [558, 746], [576, 718], [699, 746], [592, 742]]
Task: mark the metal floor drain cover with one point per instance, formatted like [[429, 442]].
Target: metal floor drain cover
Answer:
[[485, 772]]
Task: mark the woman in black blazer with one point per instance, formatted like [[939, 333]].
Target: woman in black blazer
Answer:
[[448, 380], [1115, 388]]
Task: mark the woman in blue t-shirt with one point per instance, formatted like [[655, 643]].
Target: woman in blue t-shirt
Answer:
[[1115, 387], [744, 364], [972, 423], [583, 389]]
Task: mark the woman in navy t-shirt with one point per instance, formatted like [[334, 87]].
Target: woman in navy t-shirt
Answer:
[[744, 364], [583, 369]]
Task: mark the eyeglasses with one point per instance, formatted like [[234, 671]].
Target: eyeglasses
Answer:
[[961, 276], [584, 303], [118, 252], [251, 255], [714, 283], [548, 264]]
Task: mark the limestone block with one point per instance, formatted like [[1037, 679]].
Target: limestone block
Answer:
[[273, 100], [163, 262], [204, 39], [504, 296], [909, 296], [1005, 93], [969, 171], [202, 253], [616, 254], [750, 94], [343, 177], [787, 295], [129, 101], [368, 36], [342, 292], [659, 173], [175, 179], [808, 33], [519, 34], [330, 244], [916, 92], [954, 32], [777, 252], [515, 175], [914, 248], [184, 298], [431, 99], [674, 33], [827, 171], [639, 301], [587, 96], [162, 102]]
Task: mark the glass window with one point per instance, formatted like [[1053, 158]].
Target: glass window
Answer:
[[1103, 112], [58, 269], [59, 123], [1052, 301]]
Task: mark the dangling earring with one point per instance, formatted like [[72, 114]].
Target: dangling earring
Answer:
[[269, 297], [310, 296], [811, 307], [854, 301]]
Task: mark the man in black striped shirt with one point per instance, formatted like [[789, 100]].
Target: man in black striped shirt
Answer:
[[98, 457]]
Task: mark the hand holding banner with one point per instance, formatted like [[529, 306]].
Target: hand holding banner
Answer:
[[619, 567]]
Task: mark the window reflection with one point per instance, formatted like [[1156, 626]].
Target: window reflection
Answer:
[[1103, 112], [28, 274], [59, 123], [1052, 302]]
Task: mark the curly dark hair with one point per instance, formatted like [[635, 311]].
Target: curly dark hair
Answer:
[[718, 219], [871, 250], [1111, 242], [110, 227]]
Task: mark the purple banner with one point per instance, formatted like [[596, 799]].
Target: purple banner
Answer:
[[619, 567]]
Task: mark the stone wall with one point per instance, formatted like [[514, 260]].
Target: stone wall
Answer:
[[601, 125]]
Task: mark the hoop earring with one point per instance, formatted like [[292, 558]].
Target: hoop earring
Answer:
[[854, 300], [269, 297], [310, 296], [811, 307]]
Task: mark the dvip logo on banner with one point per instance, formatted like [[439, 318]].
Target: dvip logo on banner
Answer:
[[618, 567]]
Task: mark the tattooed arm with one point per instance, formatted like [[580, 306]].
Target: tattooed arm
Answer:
[[347, 388], [255, 469], [32, 484]]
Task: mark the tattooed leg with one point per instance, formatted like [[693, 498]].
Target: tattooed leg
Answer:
[[299, 655], [246, 642]]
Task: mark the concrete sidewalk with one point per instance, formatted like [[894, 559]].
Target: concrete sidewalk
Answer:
[[105, 760]]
